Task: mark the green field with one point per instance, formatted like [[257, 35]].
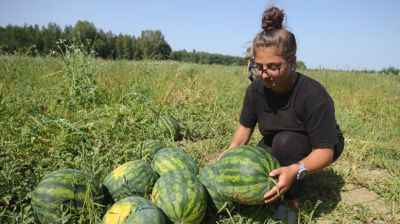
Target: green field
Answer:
[[89, 114]]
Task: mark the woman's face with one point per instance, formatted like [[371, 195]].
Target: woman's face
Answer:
[[273, 69]]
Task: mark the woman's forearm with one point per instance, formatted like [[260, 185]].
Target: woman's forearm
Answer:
[[241, 136], [318, 159]]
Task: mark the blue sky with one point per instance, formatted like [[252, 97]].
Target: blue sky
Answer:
[[336, 34]]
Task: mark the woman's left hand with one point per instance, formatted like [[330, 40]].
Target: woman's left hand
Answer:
[[286, 176]]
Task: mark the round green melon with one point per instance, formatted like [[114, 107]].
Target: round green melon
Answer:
[[134, 209], [169, 127], [131, 178], [148, 148], [208, 177], [181, 196], [167, 159], [65, 190], [243, 174]]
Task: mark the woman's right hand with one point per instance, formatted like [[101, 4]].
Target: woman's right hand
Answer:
[[286, 175]]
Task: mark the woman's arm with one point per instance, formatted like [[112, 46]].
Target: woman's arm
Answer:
[[240, 137], [317, 160]]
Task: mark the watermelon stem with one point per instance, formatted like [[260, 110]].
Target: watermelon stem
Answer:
[[276, 184]]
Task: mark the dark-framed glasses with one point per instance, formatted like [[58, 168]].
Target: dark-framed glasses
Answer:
[[258, 69]]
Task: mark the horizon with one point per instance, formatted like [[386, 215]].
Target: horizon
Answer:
[[326, 39]]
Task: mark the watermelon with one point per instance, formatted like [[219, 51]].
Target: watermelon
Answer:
[[243, 174], [134, 209], [208, 177], [167, 159], [181, 196], [65, 190], [148, 148], [131, 178], [169, 127]]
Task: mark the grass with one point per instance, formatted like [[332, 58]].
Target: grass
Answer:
[[80, 112]]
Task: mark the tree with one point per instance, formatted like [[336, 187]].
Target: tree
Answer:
[[151, 44], [390, 71], [100, 44], [85, 32], [300, 65], [50, 35]]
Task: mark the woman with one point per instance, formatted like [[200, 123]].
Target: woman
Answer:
[[295, 114]]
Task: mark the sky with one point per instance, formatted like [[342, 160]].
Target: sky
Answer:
[[333, 34]]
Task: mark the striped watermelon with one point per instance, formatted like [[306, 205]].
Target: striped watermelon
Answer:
[[131, 178], [243, 174], [61, 190], [169, 127], [181, 196], [208, 176], [134, 209], [148, 148], [167, 159]]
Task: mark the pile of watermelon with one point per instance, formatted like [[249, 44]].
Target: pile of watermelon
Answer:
[[164, 186]]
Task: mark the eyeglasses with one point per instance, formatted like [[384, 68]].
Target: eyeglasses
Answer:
[[258, 69]]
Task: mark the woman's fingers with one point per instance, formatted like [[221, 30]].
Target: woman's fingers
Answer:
[[271, 193], [275, 172], [275, 193]]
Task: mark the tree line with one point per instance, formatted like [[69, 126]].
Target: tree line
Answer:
[[151, 44]]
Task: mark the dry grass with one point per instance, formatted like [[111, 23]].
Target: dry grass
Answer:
[[45, 125]]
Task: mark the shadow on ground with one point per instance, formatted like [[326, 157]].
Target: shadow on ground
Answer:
[[322, 193]]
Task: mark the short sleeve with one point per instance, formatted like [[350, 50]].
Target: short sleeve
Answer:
[[320, 124], [248, 116]]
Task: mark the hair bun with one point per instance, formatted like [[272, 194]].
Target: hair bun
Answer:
[[272, 19]]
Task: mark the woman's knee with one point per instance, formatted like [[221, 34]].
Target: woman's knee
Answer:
[[290, 147]]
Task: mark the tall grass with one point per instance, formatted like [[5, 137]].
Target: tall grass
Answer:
[[79, 112]]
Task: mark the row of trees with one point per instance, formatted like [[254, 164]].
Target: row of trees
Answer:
[[390, 71], [207, 58], [43, 40], [35, 40]]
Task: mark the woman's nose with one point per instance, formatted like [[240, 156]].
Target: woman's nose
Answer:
[[264, 74]]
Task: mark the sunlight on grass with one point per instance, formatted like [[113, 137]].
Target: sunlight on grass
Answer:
[[90, 114]]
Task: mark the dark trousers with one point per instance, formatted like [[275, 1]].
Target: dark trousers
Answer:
[[290, 147]]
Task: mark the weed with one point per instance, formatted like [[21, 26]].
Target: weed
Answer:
[[79, 112]]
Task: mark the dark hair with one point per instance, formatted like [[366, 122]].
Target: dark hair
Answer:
[[274, 34]]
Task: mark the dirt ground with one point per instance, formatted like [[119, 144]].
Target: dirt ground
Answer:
[[352, 194]]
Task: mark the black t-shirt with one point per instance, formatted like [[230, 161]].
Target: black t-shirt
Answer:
[[307, 108]]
